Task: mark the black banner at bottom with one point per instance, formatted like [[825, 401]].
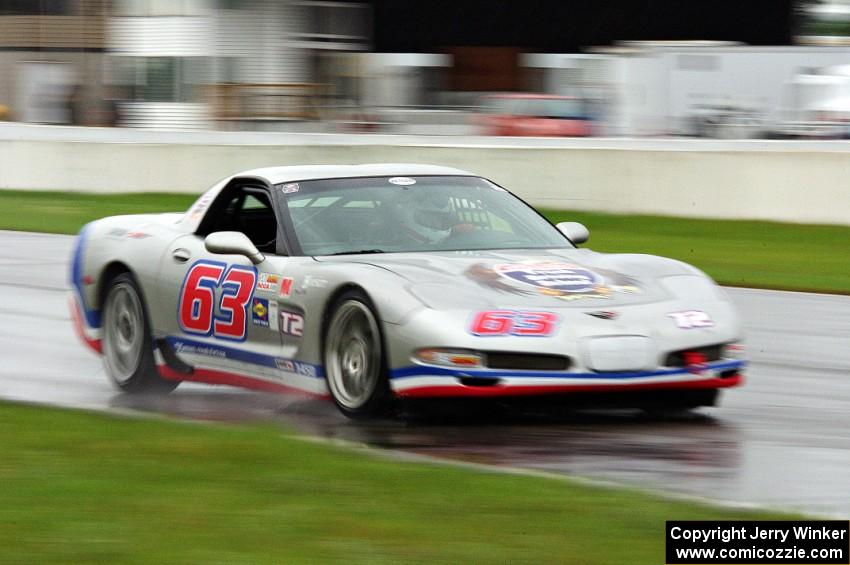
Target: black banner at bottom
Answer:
[[809, 542]]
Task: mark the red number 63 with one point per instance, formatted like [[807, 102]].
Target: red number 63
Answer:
[[196, 311]]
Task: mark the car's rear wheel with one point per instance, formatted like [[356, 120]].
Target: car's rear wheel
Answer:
[[127, 345], [354, 358]]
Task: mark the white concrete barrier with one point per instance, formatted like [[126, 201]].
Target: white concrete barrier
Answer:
[[769, 180]]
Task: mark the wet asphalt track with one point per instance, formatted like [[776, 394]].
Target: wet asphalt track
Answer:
[[783, 440]]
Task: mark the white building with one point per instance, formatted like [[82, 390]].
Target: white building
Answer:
[[647, 88], [191, 63]]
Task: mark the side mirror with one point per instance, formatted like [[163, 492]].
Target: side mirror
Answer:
[[575, 231], [233, 243]]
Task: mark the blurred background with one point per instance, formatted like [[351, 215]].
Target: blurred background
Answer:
[[725, 69]]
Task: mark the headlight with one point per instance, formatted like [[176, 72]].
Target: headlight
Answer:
[[450, 358], [735, 351]]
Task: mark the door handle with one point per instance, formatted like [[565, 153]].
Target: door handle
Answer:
[[181, 255]]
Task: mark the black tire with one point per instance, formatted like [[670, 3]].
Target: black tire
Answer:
[[127, 345], [354, 356]]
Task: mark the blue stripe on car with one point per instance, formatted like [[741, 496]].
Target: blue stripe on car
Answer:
[[235, 354], [91, 315]]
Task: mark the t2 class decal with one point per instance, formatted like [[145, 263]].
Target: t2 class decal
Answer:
[[692, 319], [566, 281], [291, 323], [494, 323], [197, 312]]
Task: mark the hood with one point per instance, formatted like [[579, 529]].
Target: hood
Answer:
[[534, 278]]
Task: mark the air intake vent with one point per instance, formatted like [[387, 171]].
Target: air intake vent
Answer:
[[527, 361]]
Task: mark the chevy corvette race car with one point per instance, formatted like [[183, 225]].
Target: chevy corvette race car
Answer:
[[369, 282]]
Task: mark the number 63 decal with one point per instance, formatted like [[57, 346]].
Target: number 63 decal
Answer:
[[514, 322], [197, 309]]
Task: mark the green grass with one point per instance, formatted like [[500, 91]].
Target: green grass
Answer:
[[88, 488], [738, 253], [66, 212], [806, 257]]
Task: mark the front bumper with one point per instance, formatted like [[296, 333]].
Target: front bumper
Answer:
[[421, 381], [88, 335]]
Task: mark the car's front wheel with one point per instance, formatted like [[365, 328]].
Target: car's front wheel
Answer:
[[127, 346], [354, 357]]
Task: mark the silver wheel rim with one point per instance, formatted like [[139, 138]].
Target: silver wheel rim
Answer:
[[123, 332], [353, 354]]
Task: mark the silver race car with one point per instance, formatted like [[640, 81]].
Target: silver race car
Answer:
[[369, 282]]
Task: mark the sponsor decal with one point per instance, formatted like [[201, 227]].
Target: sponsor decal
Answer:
[[604, 314], [554, 277], [402, 181], [206, 350], [691, 319], [291, 366], [305, 369], [566, 281], [289, 188], [260, 312], [494, 323], [273, 314], [268, 282], [291, 323], [286, 287], [121, 232], [200, 206]]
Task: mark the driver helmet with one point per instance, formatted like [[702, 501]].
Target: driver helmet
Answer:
[[430, 216]]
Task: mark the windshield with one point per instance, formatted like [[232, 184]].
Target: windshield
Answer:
[[404, 214]]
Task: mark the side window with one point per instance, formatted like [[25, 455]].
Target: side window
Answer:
[[243, 209], [254, 203]]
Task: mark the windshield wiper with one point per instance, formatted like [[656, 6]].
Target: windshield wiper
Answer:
[[359, 252]]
